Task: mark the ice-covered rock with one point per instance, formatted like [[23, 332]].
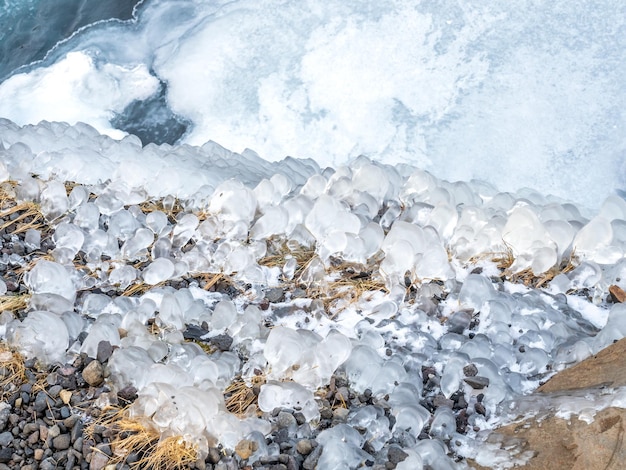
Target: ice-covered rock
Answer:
[[54, 200], [48, 277], [341, 447], [105, 328], [33, 337], [161, 269], [290, 395], [594, 242]]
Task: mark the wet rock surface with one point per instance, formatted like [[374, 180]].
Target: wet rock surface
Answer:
[[573, 442]]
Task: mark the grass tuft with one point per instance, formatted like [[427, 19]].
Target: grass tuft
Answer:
[[13, 303], [138, 436], [12, 371], [240, 396]]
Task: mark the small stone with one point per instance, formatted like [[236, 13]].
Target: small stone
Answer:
[[222, 342], [396, 455], [617, 294], [300, 418], [343, 394], [326, 413], [127, 394], [93, 374], [38, 455], [440, 400], [310, 462], [54, 391], [104, 351], [48, 464], [42, 401], [274, 295], [53, 431], [33, 438], [5, 454], [245, 448], [470, 370], [340, 414], [98, 461], [284, 420], [214, 455], [304, 447], [477, 383], [66, 396], [480, 409], [6, 438], [61, 442], [43, 433], [461, 403]]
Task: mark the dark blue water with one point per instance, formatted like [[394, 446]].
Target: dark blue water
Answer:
[[30, 28]]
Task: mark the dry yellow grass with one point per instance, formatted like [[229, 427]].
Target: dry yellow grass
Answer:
[[239, 396], [505, 259], [27, 214], [137, 435], [12, 371], [13, 303], [140, 288], [169, 206]]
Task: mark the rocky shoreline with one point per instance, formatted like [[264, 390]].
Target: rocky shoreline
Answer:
[[75, 415], [52, 420]]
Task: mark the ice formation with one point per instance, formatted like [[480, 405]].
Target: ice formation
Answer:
[[459, 89], [411, 287]]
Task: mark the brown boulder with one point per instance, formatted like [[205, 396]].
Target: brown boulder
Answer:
[[573, 444]]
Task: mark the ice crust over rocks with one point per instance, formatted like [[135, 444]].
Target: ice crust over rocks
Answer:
[[470, 291]]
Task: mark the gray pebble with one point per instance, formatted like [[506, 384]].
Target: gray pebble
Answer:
[[222, 342], [104, 351], [98, 461], [41, 402], [396, 455], [470, 370], [477, 383], [6, 438], [298, 293], [300, 418], [304, 447], [61, 442], [29, 428], [284, 420], [440, 400], [33, 438], [65, 412], [5, 454], [214, 455], [54, 391], [274, 295], [53, 431], [343, 394], [311, 461], [48, 464]]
